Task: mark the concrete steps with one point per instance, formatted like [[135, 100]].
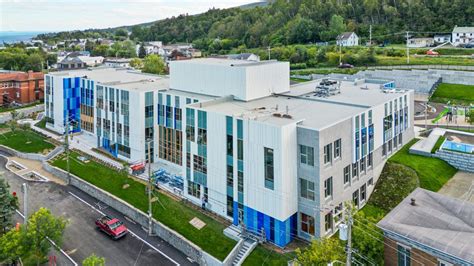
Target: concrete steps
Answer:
[[247, 247]]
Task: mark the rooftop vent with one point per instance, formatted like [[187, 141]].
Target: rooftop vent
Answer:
[[287, 116], [277, 114], [413, 202]]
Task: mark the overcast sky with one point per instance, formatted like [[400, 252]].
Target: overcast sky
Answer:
[[56, 15]]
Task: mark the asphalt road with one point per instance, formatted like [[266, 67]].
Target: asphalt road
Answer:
[[82, 238]]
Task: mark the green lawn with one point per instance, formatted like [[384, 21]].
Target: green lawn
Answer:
[[438, 144], [170, 212], [41, 124], [433, 173], [25, 141], [263, 256], [456, 93]]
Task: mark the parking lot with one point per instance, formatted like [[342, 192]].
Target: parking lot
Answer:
[[82, 238]]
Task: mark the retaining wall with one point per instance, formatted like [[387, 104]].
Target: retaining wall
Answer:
[[173, 238], [31, 156], [7, 116], [461, 161]]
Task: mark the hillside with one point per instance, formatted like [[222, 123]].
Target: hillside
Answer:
[[302, 21]]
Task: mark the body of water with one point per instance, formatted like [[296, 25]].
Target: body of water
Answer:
[[17, 36]]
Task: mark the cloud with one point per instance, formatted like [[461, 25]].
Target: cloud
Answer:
[[56, 15]]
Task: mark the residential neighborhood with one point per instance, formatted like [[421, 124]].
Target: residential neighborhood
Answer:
[[267, 133]]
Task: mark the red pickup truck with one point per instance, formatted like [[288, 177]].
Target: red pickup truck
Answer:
[[111, 226]]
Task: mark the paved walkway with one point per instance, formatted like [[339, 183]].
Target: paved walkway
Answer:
[[36, 166], [425, 145], [460, 186]]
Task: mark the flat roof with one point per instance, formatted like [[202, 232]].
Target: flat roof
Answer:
[[365, 94], [436, 221], [119, 78], [226, 62], [304, 107]]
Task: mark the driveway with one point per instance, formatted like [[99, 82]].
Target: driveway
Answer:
[[81, 237]]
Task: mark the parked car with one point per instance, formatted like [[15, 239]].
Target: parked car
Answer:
[[112, 227], [469, 45], [345, 66]]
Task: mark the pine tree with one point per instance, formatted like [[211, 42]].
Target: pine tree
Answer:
[[141, 51], [8, 204]]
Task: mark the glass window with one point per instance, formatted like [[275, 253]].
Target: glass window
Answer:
[[269, 178], [307, 189], [240, 149], [355, 171], [370, 182], [337, 148], [230, 150], [328, 187], [355, 198], [230, 206], [306, 155], [347, 174], [362, 165], [370, 160], [403, 256], [328, 222], [363, 193], [327, 153], [307, 224]]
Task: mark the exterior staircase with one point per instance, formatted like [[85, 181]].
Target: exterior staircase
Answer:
[[245, 249]]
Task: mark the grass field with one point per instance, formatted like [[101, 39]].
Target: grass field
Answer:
[[263, 256], [25, 141], [438, 144], [456, 93], [433, 173], [172, 213]]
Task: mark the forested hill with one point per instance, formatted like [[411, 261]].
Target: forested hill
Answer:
[[304, 21]]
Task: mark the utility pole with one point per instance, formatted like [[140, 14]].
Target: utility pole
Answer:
[[349, 237], [340, 52], [370, 35], [150, 222], [24, 188], [408, 49]]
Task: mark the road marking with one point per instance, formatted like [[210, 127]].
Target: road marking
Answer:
[[135, 235], [52, 242]]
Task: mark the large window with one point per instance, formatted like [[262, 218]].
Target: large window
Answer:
[[404, 258], [230, 176], [355, 198], [328, 187], [337, 148], [307, 189], [306, 155], [230, 206], [355, 171], [194, 189], [327, 153], [269, 178], [363, 193], [307, 224], [170, 144], [328, 222], [347, 174]]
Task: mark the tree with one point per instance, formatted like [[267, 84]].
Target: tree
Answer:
[[336, 27], [93, 260], [42, 226], [365, 238], [32, 243], [34, 62], [141, 51], [8, 204], [321, 252], [12, 123], [136, 63], [153, 64], [100, 50]]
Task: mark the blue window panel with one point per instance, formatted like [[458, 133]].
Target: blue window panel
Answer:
[[160, 98], [188, 173], [240, 197], [188, 146], [176, 101], [371, 138], [230, 191], [266, 225], [202, 119], [240, 165], [357, 144], [260, 222], [168, 100], [202, 151], [230, 160], [235, 215], [229, 128], [195, 100], [240, 130]]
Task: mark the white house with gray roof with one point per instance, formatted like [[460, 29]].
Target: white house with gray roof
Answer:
[[462, 35], [347, 39]]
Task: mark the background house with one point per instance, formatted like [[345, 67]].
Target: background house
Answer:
[[462, 35], [347, 39], [442, 38], [420, 42], [428, 228]]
